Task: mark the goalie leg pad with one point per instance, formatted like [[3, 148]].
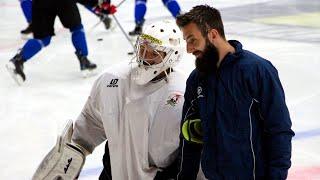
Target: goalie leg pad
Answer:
[[66, 164], [64, 161]]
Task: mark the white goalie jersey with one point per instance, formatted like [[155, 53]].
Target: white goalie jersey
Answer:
[[140, 122]]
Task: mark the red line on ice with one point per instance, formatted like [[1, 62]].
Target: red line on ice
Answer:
[[304, 173]]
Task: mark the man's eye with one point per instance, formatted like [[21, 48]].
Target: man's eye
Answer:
[[192, 41]]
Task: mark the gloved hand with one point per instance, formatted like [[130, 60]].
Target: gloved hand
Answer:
[[192, 131], [105, 8]]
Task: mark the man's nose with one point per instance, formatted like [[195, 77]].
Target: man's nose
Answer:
[[149, 55], [149, 59]]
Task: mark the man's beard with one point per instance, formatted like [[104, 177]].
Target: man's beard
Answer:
[[207, 62]]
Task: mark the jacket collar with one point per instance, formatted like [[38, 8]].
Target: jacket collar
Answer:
[[230, 57]]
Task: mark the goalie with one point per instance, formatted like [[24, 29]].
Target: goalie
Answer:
[[137, 108]]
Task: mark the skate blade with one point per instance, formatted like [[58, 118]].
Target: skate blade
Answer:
[[112, 26], [134, 38], [88, 73], [17, 78], [26, 36]]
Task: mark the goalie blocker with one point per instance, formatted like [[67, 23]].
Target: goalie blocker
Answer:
[[64, 161]]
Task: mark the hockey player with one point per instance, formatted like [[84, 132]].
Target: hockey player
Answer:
[[43, 16], [101, 9], [140, 11], [135, 107], [26, 6]]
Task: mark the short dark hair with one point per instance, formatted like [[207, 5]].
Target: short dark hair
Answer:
[[205, 17]]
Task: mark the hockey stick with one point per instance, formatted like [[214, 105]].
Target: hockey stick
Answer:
[[95, 25], [123, 31], [119, 4]]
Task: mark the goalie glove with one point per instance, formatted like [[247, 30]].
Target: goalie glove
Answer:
[[64, 161]]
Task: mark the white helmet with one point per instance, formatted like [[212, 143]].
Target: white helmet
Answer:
[[158, 49]]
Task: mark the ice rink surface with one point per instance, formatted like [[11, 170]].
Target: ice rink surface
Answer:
[[285, 32]]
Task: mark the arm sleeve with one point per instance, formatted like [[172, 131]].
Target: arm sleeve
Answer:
[[90, 3], [88, 128], [189, 153], [276, 121]]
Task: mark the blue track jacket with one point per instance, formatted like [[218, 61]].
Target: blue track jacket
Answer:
[[245, 121]]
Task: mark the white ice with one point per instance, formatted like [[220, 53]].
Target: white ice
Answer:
[[54, 91]]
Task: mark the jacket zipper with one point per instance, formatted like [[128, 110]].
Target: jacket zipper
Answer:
[[251, 143]]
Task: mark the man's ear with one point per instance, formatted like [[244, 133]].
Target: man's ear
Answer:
[[212, 34]]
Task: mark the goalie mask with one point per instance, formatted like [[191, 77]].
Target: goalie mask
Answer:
[[158, 49]]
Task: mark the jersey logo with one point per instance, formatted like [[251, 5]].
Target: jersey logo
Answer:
[[199, 92], [113, 83], [67, 165], [174, 98]]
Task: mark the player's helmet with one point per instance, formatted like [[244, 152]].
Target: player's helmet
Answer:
[[158, 49]]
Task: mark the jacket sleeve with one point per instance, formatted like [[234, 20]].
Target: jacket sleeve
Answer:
[[276, 121], [88, 128], [189, 153]]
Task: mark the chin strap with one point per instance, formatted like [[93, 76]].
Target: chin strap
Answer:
[[163, 75]]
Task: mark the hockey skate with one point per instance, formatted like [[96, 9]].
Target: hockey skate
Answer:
[[27, 30], [15, 68], [27, 33], [137, 30], [86, 67], [135, 33], [107, 21]]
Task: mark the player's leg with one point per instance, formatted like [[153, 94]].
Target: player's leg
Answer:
[[102, 15], [139, 13], [70, 18], [26, 6], [43, 29], [43, 21], [172, 6]]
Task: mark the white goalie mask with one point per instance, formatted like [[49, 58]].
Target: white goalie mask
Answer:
[[158, 49]]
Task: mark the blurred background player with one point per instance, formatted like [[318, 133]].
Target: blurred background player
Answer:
[[102, 10], [43, 17], [26, 6], [140, 11]]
